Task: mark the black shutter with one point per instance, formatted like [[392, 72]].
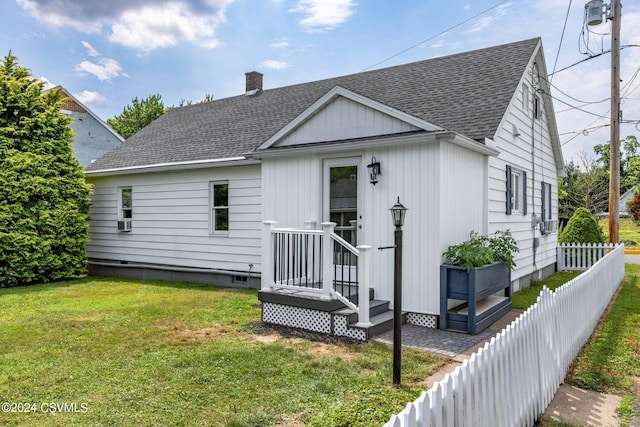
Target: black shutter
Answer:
[[508, 206], [524, 193], [544, 201]]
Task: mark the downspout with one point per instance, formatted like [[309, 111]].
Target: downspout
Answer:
[[534, 93]]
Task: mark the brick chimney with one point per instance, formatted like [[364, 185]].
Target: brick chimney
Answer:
[[254, 82]]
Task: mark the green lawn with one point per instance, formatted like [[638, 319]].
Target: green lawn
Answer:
[[610, 362], [526, 297], [628, 230], [129, 352]]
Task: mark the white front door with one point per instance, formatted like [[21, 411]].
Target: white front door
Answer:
[[342, 205], [342, 201]]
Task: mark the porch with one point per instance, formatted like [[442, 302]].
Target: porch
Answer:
[[316, 280]]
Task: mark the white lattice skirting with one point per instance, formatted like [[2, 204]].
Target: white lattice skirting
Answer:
[[340, 329], [296, 317], [424, 320]]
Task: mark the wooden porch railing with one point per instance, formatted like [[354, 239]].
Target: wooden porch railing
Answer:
[[317, 261]]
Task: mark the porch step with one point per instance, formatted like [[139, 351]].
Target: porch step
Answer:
[[380, 324], [376, 307], [380, 317]]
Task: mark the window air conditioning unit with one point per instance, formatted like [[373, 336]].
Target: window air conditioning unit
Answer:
[[124, 225], [549, 226]]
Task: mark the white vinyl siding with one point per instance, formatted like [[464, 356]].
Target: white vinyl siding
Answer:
[[345, 119], [531, 152], [172, 219]]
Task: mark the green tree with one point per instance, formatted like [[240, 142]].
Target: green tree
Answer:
[[207, 98], [629, 161], [137, 115], [582, 228], [44, 199], [585, 185]]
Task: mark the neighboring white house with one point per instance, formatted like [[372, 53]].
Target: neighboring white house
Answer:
[[467, 142]]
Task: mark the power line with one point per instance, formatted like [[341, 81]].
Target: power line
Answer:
[[564, 27], [439, 34], [592, 57]]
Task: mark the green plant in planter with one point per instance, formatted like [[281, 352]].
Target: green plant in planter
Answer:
[[482, 250]]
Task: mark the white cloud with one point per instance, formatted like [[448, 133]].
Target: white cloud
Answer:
[[280, 44], [47, 84], [274, 65], [324, 14], [154, 27], [104, 69], [140, 24], [90, 50], [486, 21], [92, 99]]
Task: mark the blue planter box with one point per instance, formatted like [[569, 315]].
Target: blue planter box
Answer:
[[474, 286]]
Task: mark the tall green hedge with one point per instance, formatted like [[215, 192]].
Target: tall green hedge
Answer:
[[44, 199], [582, 228]]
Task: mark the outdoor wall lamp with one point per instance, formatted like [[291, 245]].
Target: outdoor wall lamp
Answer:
[[374, 170]]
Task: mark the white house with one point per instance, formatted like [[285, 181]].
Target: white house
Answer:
[[466, 142]]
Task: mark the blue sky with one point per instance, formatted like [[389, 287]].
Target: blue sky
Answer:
[[108, 52]]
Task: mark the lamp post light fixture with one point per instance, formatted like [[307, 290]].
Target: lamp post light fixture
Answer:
[[374, 170], [398, 212]]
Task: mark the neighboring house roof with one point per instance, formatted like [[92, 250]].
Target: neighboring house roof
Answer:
[[624, 199], [93, 139], [467, 93]]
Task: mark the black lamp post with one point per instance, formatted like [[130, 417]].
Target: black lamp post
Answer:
[[398, 212]]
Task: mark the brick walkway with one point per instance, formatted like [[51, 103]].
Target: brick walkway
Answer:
[[456, 345], [446, 343]]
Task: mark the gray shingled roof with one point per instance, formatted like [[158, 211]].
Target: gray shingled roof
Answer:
[[467, 93]]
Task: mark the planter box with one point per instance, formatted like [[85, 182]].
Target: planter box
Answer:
[[476, 287]]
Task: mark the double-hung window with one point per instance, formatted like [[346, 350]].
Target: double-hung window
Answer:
[[516, 192], [219, 199], [125, 208], [548, 225]]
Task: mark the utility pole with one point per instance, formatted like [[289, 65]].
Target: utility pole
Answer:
[[614, 179]]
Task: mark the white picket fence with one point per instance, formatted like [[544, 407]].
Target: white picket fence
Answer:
[[513, 378], [581, 256]]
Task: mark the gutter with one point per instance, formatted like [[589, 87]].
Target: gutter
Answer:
[[175, 166], [488, 148]]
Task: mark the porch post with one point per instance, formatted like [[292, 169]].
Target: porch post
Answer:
[[327, 259], [363, 287], [267, 254]]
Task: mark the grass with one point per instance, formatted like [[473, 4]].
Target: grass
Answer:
[[628, 231], [129, 352], [526, 297], [610, 362]]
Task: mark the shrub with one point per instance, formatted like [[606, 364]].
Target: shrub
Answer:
[[582, 228], [483, 250], [633, 207], [44, 200]]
